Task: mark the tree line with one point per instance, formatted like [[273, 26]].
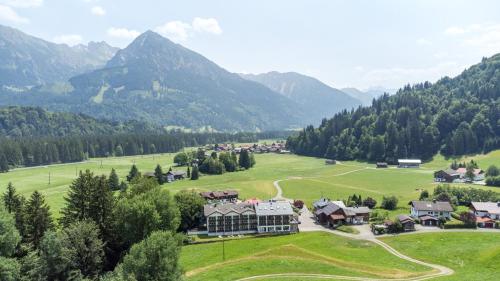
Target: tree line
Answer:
[[132, 235], [49, 150], [453, 116]]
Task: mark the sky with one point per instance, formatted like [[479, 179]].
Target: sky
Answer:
[[342, 43]]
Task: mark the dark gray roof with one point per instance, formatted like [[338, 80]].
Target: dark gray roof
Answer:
[[328, 209], [321, 203], [238, 208], [357, 210], [218, 194], [438, 206], [404, 218]]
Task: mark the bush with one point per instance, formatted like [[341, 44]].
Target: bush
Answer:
[[455, 216], [369, 202], [389, 203], [493, 181]]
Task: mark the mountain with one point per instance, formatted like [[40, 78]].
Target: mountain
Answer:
[[157, 80], [454, 116], [18, 121], [364, 97], [27, 61], [317, 99]]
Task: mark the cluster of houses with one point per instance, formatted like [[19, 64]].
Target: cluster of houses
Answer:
[[224, 215], [335, 213], [458, 175], [256, 148]]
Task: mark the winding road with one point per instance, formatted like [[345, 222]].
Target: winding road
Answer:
[[308, 224]]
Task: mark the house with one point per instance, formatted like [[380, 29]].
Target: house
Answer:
[[356, 215], [448, 175], [319, 204], [323, 215], [244, 218], [407, 222], [485, 222], [220, 196], [175, 175], [428, 212], [230, 219], [478, 174], [330, 162], [382, 165], [486, 209], [275, 216], [409, 163], [334, 214]]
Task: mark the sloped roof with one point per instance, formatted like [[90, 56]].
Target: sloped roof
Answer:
[[322, 202], [238, 208], [490, 207], [328, 209], [404, 218], [218, 194], [409, 161], [273, 208], [438, 206]]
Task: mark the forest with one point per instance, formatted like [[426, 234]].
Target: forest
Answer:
[[454, 116]]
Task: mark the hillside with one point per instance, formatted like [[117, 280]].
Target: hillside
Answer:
[[37, 122], [454, 116], [316, 98], [364, 97], [29, 61]]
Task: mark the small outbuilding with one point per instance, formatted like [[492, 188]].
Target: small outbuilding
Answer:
[[407, 222], [409, 163], [382, 165]]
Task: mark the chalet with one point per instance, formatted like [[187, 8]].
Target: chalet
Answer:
[[448, 175], [330, 162], [175, 175], [486, 209], [220, 196], [382, 165], [409, 163], [319, 204], [428, 212], [407, 222], [334, 214], [323, 215]]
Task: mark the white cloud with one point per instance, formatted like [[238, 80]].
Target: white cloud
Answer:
[[423, 42], [123, 33], [485, 37], [23, 3], [175, 30], [98, 11], [209, 25], [9, 15], [397, 76], [69, 39]]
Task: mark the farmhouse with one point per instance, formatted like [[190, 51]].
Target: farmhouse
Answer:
[[175, 175], [486, 209], [478, 174], [428, 212], [334, 214], [220, 196], [407, 222], [409, 163], [448, 175], [244, 218]]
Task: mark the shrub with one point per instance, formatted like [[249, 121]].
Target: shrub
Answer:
[[369, 202], [493, 181], [389, 203], [299, 204]]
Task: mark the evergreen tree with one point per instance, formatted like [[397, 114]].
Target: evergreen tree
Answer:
[[492, 171], [188, 172], [4, 164], [123, 186], [11, 198], [78, 199], [114, 182], [244, 160], [194, 173], [38, 219], [134, 173], [159, 174]]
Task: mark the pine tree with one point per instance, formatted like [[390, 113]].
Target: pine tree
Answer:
[[159, 174], [188, 172], [38, 219], [194, 173], [134, 172], [114, 182], [244, 160], [123, 186], [78, 199], [101, 205], [10, 198], [4, 164]]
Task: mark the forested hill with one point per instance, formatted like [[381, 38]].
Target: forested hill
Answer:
[[454, 116], [18, 121]]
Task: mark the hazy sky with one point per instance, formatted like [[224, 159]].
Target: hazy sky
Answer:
[[343, 43]]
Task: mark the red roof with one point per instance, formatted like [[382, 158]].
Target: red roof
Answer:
[[484, 219], [464, 170], [253, 201]]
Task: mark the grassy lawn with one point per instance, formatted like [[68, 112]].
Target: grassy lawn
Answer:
[[306, 178], [473, 256], [317, 252]]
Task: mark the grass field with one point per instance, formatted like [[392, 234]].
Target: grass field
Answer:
[[473, 256], [317, 252], [306, 178]]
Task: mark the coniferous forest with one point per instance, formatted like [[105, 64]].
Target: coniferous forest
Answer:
[[454, 116]]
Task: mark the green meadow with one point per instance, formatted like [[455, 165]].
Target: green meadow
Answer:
[[315, 252], [303, 178], [473, 256]]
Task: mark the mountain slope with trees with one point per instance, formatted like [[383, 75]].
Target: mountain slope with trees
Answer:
[[314, 97], [454, 116], [29, 61]]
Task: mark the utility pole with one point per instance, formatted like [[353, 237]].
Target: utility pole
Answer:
[[49, 178]]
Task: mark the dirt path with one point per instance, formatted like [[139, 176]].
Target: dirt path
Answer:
[[308, 224]]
